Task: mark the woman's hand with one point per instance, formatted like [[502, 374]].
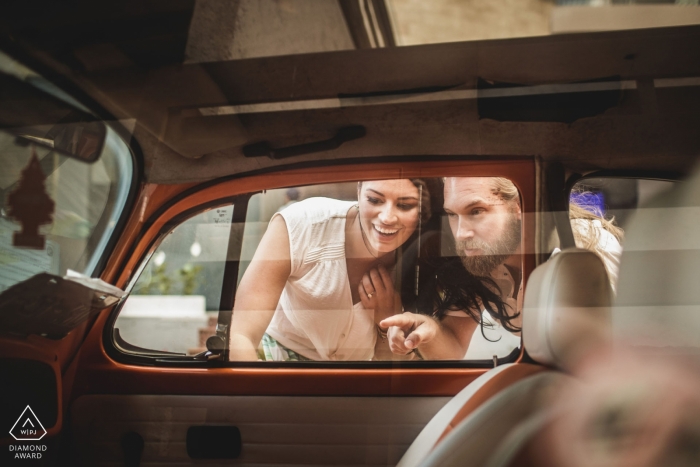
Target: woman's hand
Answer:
[[377, 293]]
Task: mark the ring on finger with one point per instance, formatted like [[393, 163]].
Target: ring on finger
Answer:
[[369, 295]]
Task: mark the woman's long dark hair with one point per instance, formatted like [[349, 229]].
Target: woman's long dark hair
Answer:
[[444, 285], [457, 289]]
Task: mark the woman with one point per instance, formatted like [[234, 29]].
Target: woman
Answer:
[[306, 294]]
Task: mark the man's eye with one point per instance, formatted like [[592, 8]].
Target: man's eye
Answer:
[[451, 214], [476, 212]]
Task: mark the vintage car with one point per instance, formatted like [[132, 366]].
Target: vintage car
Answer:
[[147, 152]]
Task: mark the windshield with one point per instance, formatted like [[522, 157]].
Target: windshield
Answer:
[[56, 212]]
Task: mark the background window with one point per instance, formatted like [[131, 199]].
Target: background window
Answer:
[[176, 300], [174, 304], [600, 210]]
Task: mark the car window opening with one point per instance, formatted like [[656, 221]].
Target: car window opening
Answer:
[[346, 272]]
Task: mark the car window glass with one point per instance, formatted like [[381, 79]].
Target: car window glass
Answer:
[[173, 306], [600, 210], [79, 205], [318, 245], [174, 302], [655, 310]]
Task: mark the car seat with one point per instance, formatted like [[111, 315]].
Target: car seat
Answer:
[[566, 311], [656, 313], [657, 308]]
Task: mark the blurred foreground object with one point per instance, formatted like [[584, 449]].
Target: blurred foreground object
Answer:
[[627, 411]]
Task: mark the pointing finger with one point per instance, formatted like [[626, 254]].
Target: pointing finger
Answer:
[[396, 341], [405, 321], [423, 333]]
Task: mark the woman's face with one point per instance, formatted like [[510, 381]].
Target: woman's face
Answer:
[[388, 212]]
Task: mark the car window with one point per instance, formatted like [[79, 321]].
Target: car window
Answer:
[[174, 304], [325, 308], [600, 210], [57, 212]]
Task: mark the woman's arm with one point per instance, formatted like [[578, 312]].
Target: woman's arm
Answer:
[[447, 339], [259, 291]]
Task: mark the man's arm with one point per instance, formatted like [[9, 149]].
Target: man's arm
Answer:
[[447, 339]]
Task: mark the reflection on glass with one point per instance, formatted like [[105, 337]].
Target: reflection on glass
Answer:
[[326, 271], [175, 301], [88, 200], [403, 269], [600, 209]]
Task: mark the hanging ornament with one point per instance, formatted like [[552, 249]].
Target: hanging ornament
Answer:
[[31, 206]]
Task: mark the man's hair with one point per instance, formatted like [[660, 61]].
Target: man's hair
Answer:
[[505, 189], [501, 187]]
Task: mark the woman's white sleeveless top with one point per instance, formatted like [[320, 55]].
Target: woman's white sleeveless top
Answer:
[[315, 316]]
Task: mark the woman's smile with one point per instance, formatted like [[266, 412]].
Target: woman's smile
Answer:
[[385, 233]]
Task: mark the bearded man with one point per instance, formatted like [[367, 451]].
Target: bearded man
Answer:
[[485, 217]]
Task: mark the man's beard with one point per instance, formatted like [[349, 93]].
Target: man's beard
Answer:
[[492, 254]]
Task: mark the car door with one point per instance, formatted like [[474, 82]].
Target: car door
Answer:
[[137, 377]]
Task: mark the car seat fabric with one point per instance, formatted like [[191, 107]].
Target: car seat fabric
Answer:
[[658, 301], [480, 390], [567, 308], [473, 442]]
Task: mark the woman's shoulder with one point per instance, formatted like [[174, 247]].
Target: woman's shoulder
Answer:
[[313, 210]]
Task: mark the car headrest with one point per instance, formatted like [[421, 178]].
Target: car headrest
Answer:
[[658, 301], [566, 311]]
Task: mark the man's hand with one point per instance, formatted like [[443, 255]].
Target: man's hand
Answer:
[[409, 330]]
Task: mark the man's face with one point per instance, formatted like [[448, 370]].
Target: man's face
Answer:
[[485, 227]]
